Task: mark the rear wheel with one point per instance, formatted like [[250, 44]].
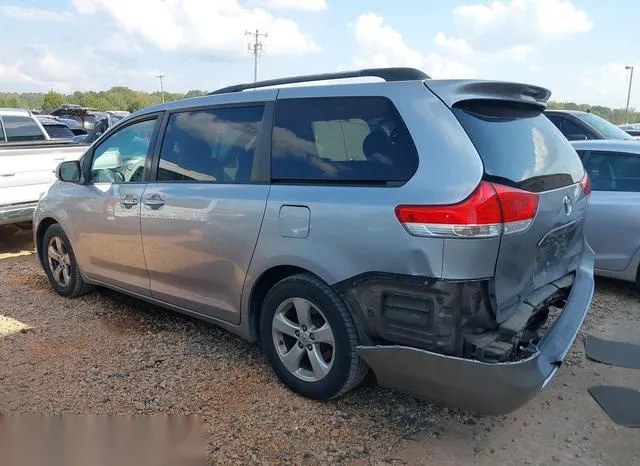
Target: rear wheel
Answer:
[[309, 338], [60, 264]]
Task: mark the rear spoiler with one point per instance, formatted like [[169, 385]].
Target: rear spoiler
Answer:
[[453, 91]]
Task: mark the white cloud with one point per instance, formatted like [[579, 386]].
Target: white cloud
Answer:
[[460, 48], [380, 45], [609, 82], [307, 5], [14, 74], [40, 68], [518, 20], [454, 45], [35, 14], [200, 25]]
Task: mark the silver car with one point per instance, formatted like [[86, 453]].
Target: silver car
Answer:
[[613, 223], [419, 228]]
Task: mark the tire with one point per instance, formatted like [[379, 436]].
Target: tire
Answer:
[[342, 370], [60, 264]]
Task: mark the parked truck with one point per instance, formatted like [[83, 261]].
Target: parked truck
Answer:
[[28, 160]]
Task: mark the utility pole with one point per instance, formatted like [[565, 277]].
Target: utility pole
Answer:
[[256, 47], [626, 115], [161, 77]]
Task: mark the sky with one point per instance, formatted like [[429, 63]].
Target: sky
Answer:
[[576, 48]]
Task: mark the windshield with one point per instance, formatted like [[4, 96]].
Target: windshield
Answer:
[[608, 130]]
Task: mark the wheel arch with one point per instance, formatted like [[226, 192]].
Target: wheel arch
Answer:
[[43, 226]]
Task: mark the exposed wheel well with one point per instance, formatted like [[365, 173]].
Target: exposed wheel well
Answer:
[[43, 226], [266, 281]]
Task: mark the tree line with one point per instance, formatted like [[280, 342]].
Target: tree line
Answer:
[[116, 98], [123, 98]]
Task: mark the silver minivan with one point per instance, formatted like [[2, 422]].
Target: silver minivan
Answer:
[[428, 230]]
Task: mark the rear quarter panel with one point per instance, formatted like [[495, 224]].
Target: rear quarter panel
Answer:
[[353, 230]]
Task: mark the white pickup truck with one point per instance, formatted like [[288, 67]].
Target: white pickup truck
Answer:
[[28, 160]]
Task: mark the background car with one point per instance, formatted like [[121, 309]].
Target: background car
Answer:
[[76, 128], [613, 223], [99, 128], [87, 117], [632, 129], [577, 125], [55, 128]]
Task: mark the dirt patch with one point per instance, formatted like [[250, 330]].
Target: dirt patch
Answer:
[[15, 242], [109, 354]]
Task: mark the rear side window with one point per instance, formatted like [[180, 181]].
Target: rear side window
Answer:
[[213, 145], [58, 131], [20, 128], [613, 171], [570, 129], [341, 140], [519, 146]]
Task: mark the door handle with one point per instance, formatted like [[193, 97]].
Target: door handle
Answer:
[[128, 201], [153, 200]]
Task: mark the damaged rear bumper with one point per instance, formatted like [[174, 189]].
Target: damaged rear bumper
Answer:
[[489, 388]]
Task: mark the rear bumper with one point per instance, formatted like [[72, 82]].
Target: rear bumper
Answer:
[[17, 213], [489, 388]]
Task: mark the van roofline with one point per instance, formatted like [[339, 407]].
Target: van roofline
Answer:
[[387, 74]]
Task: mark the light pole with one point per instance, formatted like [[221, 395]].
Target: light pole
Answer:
[[161, 77], [626, 114]]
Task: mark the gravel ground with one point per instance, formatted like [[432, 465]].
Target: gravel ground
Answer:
[[108, 354]]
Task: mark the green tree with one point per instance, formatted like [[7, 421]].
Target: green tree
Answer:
[[52, 100], [10, 101]]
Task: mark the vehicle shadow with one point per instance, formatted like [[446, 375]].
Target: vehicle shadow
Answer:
[[15, 242]]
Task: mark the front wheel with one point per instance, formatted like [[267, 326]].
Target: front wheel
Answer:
[[60, 264], [309, 338]]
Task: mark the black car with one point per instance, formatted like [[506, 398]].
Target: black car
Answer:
[[577, 125], [55, 128], [87, 117]]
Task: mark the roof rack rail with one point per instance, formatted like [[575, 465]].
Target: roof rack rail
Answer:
[[388, 74]]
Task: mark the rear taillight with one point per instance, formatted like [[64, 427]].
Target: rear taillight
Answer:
[[585, 184], [491, 210]]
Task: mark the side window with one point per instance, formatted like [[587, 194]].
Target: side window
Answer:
[[573, 130], [121, 157], [557, 121], [20, 128], [212, 145], [614, 172], [343, 140]]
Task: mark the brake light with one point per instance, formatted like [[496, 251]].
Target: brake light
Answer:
[[585, 184], [491, 210]]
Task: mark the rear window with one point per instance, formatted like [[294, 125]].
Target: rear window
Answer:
[[519, 146], [58, 131], [19, 128], [341, 140]]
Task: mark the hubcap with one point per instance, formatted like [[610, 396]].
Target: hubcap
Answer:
[[59, 261], [303, 339]]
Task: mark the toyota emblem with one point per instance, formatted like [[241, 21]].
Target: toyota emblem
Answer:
[[567, 205]]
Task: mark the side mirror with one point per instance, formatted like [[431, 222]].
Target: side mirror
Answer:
[[577, 137], [69, 171]]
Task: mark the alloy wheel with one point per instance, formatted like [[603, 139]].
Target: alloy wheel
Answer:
[[59, 261], [303, 339]]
